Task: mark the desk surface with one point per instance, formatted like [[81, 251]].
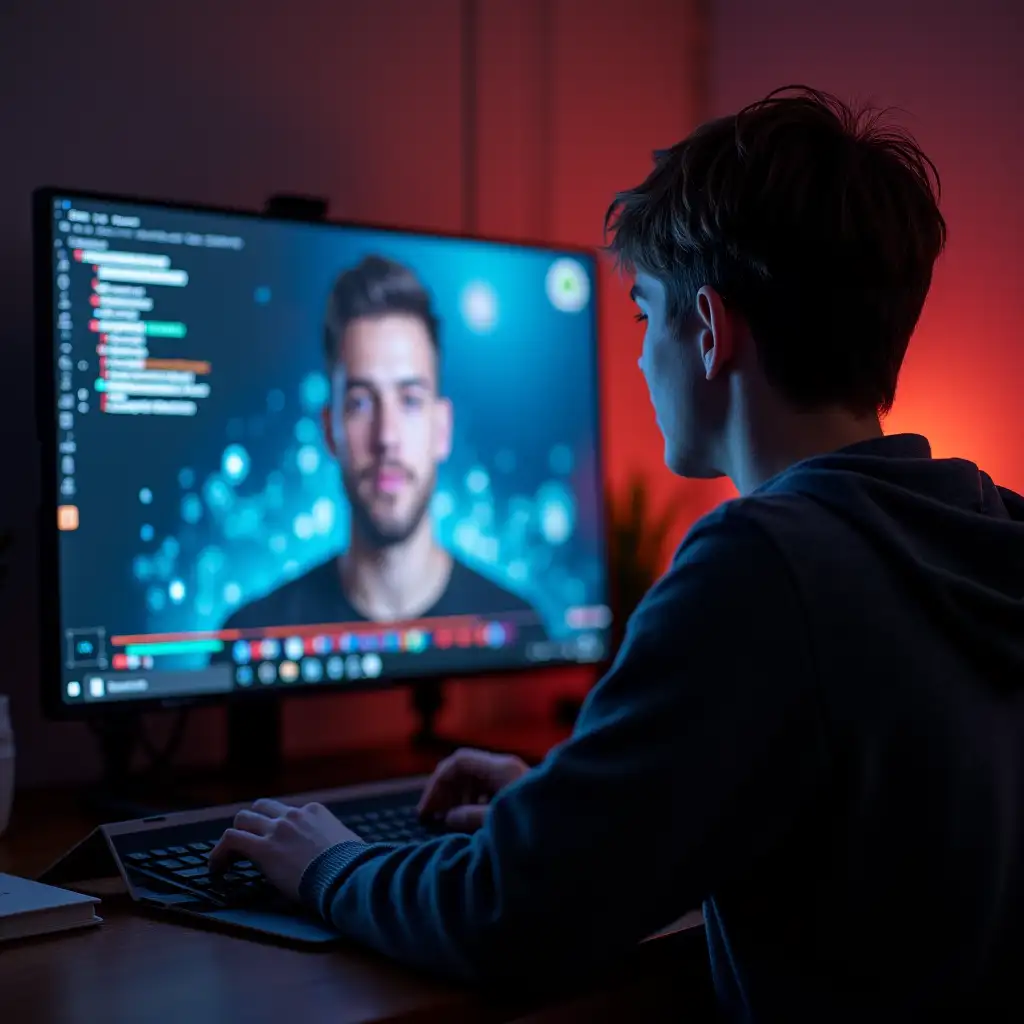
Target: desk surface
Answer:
[[137, 967]]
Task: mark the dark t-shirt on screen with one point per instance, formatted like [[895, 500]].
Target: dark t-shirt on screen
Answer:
[[317, 597]]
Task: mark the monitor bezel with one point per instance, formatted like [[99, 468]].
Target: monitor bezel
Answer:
[[48, 547]]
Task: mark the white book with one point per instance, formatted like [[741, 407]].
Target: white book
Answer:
[[30, 908]]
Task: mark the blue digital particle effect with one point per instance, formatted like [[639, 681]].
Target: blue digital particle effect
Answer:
[[308, 459], [314, 391], [303, 526], [234, 463], [191, 509], [306, 431], [216, 492], [477, 480], [324, 515], [210, 561], [557, 509]]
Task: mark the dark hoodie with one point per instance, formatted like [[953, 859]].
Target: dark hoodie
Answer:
[[814, 727]]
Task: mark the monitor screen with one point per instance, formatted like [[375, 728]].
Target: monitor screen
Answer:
[[298, 455]]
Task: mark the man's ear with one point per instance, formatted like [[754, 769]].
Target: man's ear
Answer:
[[715, 332]]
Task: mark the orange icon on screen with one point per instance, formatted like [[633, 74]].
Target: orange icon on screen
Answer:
[[67, 517]]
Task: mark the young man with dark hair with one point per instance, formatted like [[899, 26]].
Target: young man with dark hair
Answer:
[[389, 426], [814, 728]]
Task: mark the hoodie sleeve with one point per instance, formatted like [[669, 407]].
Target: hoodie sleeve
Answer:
[[691, 758]]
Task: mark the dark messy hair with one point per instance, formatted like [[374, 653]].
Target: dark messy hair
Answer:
[[819, 223], [373, 288]]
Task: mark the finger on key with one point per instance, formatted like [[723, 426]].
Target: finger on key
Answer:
[[438, 795], [270, 808], [235, 845], [253, 822]]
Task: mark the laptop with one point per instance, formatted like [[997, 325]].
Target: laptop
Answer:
[[161, 861]]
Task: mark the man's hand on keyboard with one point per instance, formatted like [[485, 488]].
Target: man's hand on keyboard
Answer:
[[281, 840], [463, 785]]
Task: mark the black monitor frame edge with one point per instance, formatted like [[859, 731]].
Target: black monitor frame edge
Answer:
[[50, 655]]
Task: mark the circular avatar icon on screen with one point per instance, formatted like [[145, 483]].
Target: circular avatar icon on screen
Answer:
[[568, 286]]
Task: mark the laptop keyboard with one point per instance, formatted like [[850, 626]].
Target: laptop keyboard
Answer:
[[399, 824], [185, 869], [181, 858]]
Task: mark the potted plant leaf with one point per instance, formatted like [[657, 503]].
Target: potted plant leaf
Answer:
[[638, 536]]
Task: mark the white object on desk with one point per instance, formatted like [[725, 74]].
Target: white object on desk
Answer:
[[6, 765], [30, 908]]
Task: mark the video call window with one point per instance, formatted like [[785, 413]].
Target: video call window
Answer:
[[294, 453]]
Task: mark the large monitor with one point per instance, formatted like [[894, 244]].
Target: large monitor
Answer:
[[292, 456]]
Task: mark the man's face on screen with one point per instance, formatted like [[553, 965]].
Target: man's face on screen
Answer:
[[387, 425]]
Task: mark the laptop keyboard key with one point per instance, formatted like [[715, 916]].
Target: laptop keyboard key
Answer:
[[195, 873]]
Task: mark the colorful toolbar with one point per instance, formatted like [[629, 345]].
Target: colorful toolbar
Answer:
[[492, 635]]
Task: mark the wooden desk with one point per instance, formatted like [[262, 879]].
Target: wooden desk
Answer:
[[137, 968]]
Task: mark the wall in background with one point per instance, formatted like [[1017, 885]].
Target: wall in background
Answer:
[[956, 70], [225, 103]]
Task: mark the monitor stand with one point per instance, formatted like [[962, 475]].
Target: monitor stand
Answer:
[[255, 756], [255, 744], [427, 697], [123, 792]]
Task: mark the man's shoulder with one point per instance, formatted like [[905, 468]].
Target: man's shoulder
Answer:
[[740, 522], [481, 593], [757, 525], [285, 604], [731, 557]]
